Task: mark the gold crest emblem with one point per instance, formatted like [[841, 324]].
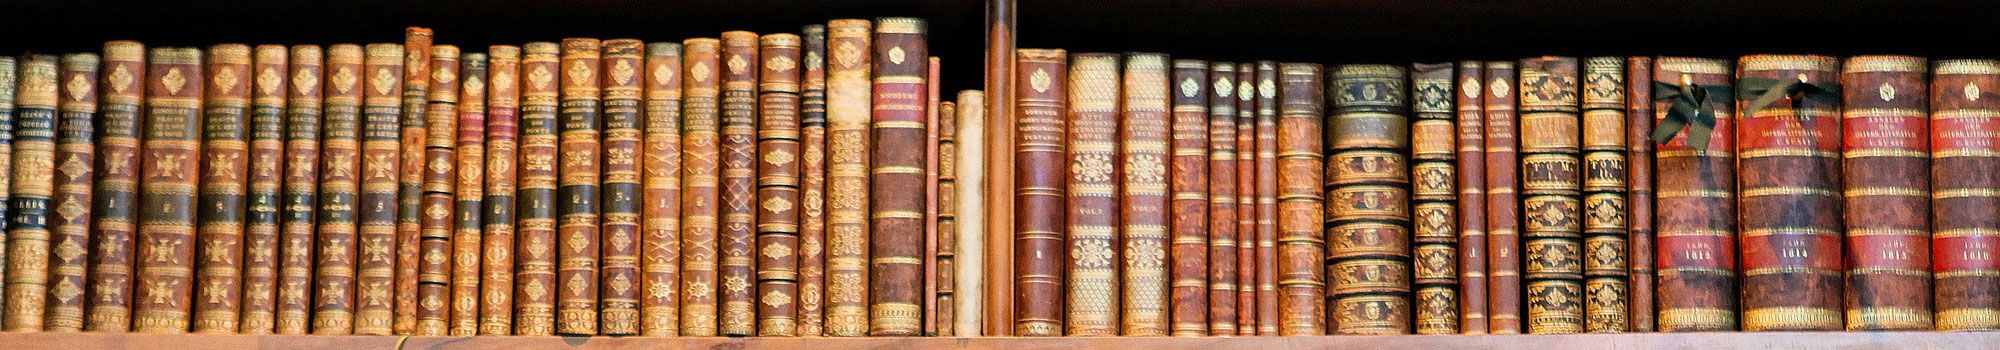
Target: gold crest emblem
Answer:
[[474, 83], [344, 80], [173, 81], [778, 157], [121, 79], [443, 75], [1470, 87], [303, 83], [896, 55], [1039, 80], [737, 64], [1886, 92], [700, 71], [1222, 87], [268, 80], [781, 63], [1267, 89], [622, 72], [776, 251], [579, 73], [1190, 87], [1499, 87], [777, 205], [1971, 91], [382, 81], [847, 55], [661, 76], [79, 88], [503, 82], [541, 77]]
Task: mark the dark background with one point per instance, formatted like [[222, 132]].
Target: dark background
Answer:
[[1375, 31]]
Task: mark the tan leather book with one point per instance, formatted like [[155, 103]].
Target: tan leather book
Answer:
[[122, 88], [1144, 137], [535, 231], [700, 176], [469, 189], [849, 94], [1301, 205], [416, 80], [1606, 241], [619, 289], [737, 230], [1434, 200], [440, 176], [1551, 222], [69, 241], [778, 201], [165, 265], [35, 118], [498, 208], [1789, 158], [660, 231], [381, 270], [1967, 291], [261, 218], [1368, 234], [579, 171], [1092, 295], [339, 245], [1040, 192]]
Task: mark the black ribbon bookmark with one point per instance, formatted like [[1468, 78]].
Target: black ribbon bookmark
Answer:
[[1691, 110], [1761, 92]]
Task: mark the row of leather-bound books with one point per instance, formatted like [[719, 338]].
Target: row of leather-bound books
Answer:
[[746, 185], [1161, 196]]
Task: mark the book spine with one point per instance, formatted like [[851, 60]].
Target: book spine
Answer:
[[1246, 199], [699, 195], [1471, 168], [1301, 206], [498, 212], [812, 183], [434, 270], [337, 258], [1639, 195], [467, 237], [946, 315], [849, 93], [737, 229], [165, 282], [1190, 200], [1697, 209], [1143, 195], [417, 71], [1368, 200], [33, 185], [623, 60], [1887, 195], [76, 131], [1605, 242], [896, 212], [968, 170], [777, 176], [660, 254], [1551, 208], [535, 259], [122, 88], [1434, 200], [1790, 162], [1002, 68], [219, 217], [1968, 278], [1093, 195], [1040, 194], [8, 79], [1222, 234], [1503, 213], [381, 269], [1267, 198], [928, 305], [579, 172], [261, 218]]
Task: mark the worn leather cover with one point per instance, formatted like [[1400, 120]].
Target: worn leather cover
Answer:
[[1503, 214], [219, 214], [121, 90], [1246, 198], [69, 241], [535, 265], [165, 282], [660, 224], [1697, 209], [580, 168], [897, 177], [381, 271], [1788, 155], [1605, 242], [33, 185], [1223, 236], [1551, 209], [8, 79], [945, 315], [1093, 195], [1368, 201], [739, 152], [1144, 151], [440, 175], [619, 281], [416, 80], [497, 209], [849, 94], [1040, 193], [299, 195], [1301, 205], [1639, 192], [338, 245], [1434, 199], [1189, 180], [1266, 188], [1886, 161], [699, 205], [968, 305], [261, 218], [812, 183], [1963, 191], [777, 203], [1470, 119], [467, 237]]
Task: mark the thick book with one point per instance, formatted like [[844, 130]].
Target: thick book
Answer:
[[1246, 198], [1605, 239], [1470, 121], [332, 84], [32, 187], [121, 89], [897, 177], [1368, 201], [1189, 182], [381, 269], [736, 232], [1039, 193], [1144, 138], [440, 175], [848, 97], [412, 140], [660, 176], [1886, 173], [1222, 229], [1967, 285], [497, 208], [1551, 205], [942, 319], [261, 218], [1789, 159], [467, 238], [1433, 200], [69, 229], [778, 150], [218, 214], [619, 289], [968, 166], [1301, 205], [9, 78], [700, 131], [1503, 205], [812, 182], [1266, 188], [1639, 191], [1696, 199], [165, 265], [580, 164], [535, 227], [1092, 294]]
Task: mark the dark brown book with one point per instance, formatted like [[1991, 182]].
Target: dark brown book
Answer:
[[1639, 191], [1301, 205], [165, 282], [218, 295], [1222, 229], [337, 255], [381, 269], [700, 174], [946, 315], [619, 280], [122, 88], [1886, 162], [812, 183], [660, 231], [503, 147], [849, 91], [1266, 188], [1189, 182], [535, 230], [8, 82], [261, 219], [1605, 239], [1962, 157], [1503, 214], [69, 240], [1789, 156], [467, 239], [580, 169], [1039, 193], [1368, 202], [896, 211], [778, 199], [1092, 294], [33, 184], [1433, 200], [412, 136], [1144, 136], [1551, 205], [1246, 199], [1471, 169], [1696, 198], [736, 232], [440, 173]]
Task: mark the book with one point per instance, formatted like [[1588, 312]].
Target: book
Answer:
[[1697, 210], [1092, 269], [1145, 136], [928, 296], [660, 231], [1789, 161], [121, 89], [945, 314], [1551, 206], [337, 256], [1639, 193], [9, 77], [33, 185], [498, 208], [412, 136], [1222, 228], [467, 239], [1246, 198], [1301, 205], [1471, 170], [380, 271], [737, 230], [1605, 239], [1966, 283], [440, 175], [699, 152], [218, 295], [1369, 216], [1886, 195], [1266, 188], [812, 182], [261, 218], [1002, 71], [896, 211], [165, 280], [969, 178], [1039, 195], [619, 283], [535, 229], [1189, 205], [579, 172], [1503, 212], [778, 150], [76, 133], [1433, 200], [848, 91]]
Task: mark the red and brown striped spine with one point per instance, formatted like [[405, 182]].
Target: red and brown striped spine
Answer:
[[1605, 241], [218, 293], [1143, 201], [338, 247], [535, 230], [1267, 198], [417, 66], [69, 229], [1697, 209], [1368, 203], [849, 93], [1301, 206], [699, 153], [1222, 229], [1189, 205], [165, 282], [503, 145], [1887, 195], [121, 89], [778, 186], [469, 189], [620, 291], [812, 184], [1434, 200], [1963, 192], [1246, 199], [660, 239], [1551, 223], [440, 173], [896, 212], [1040, 194], [737, 230], [1471, 163], [380, 272], [1093, 195], [261, 217], [1639, 193], [1503, 213], [1790, 165], [580, 169]]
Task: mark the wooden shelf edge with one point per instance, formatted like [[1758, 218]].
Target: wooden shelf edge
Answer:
[[1813, 340]]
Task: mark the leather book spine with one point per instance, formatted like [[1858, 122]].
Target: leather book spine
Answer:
[[1040, 194], [1963, 238], [165, 282], [699, 153], [218, 295], [440, 173], [946, 315], [76, 131], [660, 226], [261, 219], [8, 79], [620, 292], [1886, 162], [736, 233], [1143, 200], [1246, 199], [1222, 235], [121, 90], [1605, 239], [1471, 171], [1368, 201], [1093, 195], [535, 230], [1301, 205], [849, 92], [580, 170], [1503, 214], [33, 185], [469, 189], [1551, 203], [1267, 198], [380, 269], [498, 212], [928, 296], [1434, 200], [777, 183], [968, 166], [1189, 205], [1790, 163], [417, 67], [812, 183], [1639, 192], [1697, 209], [331, 84], [896, 211], [1002, 70]]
